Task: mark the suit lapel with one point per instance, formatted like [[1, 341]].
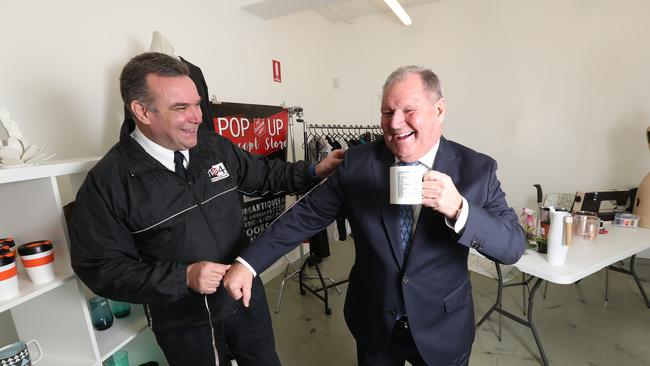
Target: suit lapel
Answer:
[[446, 160], [389, 213]]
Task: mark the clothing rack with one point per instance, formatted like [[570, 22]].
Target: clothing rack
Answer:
[[351, 135], [348, 132], [319, 137], [364, 128]]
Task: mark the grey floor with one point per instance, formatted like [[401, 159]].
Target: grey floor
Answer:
[[575, 324]]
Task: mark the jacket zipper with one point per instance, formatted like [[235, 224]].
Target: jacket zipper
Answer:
[[205, 297]]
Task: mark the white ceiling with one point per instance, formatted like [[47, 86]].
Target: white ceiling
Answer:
[[333, 10]]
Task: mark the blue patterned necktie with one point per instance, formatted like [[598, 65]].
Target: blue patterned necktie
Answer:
[[405, 220]]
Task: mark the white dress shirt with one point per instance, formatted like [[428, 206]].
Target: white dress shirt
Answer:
[[162, 154], [427, 160]]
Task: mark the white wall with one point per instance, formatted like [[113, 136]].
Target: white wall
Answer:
[[60, 61], [555, 90]]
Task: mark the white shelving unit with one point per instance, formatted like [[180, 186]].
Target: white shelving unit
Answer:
[[56, 313]]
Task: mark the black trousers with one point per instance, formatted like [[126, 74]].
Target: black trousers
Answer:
[[399, 349], [245, 334]]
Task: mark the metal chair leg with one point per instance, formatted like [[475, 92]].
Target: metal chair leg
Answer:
[[499, 337], [637, 280], [335, 287], [316, 290], [294, 272], [606, 285], [524, 286], [284, 281]]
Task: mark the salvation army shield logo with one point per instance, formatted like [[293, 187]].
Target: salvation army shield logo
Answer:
[[259, 127]]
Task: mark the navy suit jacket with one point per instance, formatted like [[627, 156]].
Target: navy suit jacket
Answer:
[[433, 281]]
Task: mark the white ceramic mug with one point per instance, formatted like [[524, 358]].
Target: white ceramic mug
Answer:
[[8, 276], [406, 184], [17, 354], [38, 259], [8, 244]]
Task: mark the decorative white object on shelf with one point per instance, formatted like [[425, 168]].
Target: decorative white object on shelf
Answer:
[[15, 150]]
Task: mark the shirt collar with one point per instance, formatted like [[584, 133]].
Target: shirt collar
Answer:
[[429, 157], [164, 155]]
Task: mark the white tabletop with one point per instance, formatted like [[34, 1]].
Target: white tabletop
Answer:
[[586, 257]]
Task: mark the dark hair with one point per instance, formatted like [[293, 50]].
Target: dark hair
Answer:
[[133, 80], [429, 79]]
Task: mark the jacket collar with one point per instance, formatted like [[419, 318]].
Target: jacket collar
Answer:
[[445, 161], [138, 161]]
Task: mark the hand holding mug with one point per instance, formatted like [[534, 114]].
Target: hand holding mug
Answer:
[[440, 193]]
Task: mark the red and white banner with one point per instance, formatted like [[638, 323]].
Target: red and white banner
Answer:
[[259, 129]]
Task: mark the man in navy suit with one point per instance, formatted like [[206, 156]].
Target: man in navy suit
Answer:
[[409, 296]]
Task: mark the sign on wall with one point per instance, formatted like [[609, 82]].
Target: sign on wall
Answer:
[[277, 73], [258, 129]]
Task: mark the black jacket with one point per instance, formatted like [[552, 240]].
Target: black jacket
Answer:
[[137, 225]]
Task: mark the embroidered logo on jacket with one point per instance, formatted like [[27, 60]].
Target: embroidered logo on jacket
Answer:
[[218, 172]]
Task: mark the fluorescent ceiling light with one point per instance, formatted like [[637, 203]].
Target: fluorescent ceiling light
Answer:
[[395, 6]]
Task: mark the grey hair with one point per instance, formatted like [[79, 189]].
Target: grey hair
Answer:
[[430, 80], [133, 80]]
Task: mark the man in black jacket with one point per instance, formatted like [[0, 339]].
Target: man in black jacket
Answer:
[[158, 220]]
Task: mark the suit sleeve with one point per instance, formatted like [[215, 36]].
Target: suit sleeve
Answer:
[[311, 214], [492, 227], [105, 257]]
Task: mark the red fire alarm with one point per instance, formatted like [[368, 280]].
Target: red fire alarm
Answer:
[[277, 74]]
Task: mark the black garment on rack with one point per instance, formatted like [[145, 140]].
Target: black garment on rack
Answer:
[[319, 245], [335, 144], [341, 227]]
